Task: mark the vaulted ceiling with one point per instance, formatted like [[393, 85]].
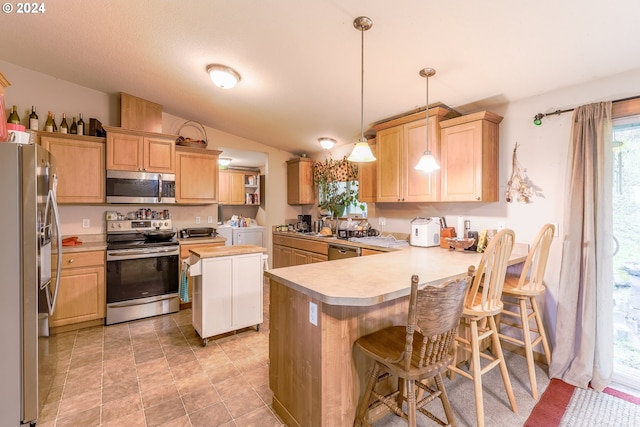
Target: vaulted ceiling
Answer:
[[300, 60]]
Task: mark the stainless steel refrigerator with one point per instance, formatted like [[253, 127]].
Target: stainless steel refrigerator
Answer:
[[30, 231]]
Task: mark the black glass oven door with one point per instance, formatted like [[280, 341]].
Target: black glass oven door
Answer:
[[129, 279]]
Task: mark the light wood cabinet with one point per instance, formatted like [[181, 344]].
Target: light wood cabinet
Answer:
[[399, 144], [80, 166], [367, 251], [469, 158], [235, 185], [367, 187], [196, 175], [140, 151], [300, 189], [81, 296], [140, 114], [289, 251], [184, 255]]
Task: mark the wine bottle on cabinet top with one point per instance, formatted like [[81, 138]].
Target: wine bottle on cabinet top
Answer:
[[64, 127], [80, 125], [55, 126], [13, 117], [33, 119], [48, 125], [74, 127]]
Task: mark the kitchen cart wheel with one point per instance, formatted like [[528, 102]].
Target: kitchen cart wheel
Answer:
[[204, 342], [257, 328]]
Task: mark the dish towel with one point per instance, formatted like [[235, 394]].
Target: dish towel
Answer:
[[184, 282]]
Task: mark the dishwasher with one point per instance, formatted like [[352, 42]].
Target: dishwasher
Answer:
[[339, 252]]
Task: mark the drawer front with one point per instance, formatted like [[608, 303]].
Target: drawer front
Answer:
[[80, 259], [303, 244]]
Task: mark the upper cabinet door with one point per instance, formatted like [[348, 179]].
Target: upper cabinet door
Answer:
[[80, 167], [469, 152], [420, 186], [159, 155], [124, 152], [389, 143], [300, 188], [197, 176]]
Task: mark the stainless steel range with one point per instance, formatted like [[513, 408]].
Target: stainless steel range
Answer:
[[142, 269]]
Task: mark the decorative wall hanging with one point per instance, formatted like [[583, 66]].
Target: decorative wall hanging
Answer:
[[519, 186]]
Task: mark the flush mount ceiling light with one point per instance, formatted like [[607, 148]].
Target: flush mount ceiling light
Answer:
[[361, 151], [326, 142], [427, 162], [224, 161], [223, 76]]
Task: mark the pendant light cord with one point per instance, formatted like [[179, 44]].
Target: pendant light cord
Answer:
[[362, 84], [426, 124]]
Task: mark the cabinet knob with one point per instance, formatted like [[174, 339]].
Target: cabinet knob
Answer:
[[70, 260], [477, 197]]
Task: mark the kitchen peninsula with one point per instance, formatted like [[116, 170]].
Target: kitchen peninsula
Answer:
[[317, 311]]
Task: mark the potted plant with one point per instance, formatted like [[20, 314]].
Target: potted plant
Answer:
[[329, 176]]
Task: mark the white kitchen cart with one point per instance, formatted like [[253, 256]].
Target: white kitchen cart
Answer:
[[227, 293]]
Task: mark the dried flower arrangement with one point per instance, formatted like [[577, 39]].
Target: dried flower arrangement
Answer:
[[519, 186]]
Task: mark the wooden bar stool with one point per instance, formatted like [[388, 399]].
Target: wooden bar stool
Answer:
[[482, 304], [520, 306], [419, 351]]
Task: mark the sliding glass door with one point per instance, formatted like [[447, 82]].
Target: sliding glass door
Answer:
[[626, 259]]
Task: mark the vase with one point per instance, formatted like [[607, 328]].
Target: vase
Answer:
[[338, 211]]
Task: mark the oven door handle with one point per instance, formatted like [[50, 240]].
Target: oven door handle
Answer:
[[138, 302], [142, 254]]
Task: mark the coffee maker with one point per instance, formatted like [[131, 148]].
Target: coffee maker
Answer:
[[304, 223]]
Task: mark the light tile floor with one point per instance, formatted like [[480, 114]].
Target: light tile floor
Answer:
[[156, 372]]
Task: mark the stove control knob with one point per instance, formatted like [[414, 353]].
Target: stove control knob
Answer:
[[166, 224]]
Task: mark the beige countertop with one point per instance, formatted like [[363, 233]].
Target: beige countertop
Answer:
[[370, 280], [221, 251], [90, 242]]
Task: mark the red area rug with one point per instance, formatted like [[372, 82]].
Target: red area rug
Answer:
[[549, 411]]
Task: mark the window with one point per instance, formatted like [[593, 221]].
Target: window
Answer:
[[626, 259]]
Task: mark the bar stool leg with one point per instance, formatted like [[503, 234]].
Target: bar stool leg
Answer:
[[541, 330], [502, 364], [363, 409], [476, 371], [528, 347]]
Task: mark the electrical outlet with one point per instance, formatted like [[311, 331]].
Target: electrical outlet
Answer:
[[313, 313], [382, 221], [197, 220], [86, 223], [210, 219], [500, 225]]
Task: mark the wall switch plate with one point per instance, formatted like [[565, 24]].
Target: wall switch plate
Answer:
[[313, 313], [210, 219], [197, 220], [86, 223]]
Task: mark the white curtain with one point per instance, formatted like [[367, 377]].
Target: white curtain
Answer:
[[583, 352]]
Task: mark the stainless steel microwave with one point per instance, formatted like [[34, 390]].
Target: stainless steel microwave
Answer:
[[140, 187]]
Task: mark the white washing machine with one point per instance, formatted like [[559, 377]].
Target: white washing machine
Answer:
[[253, 235]]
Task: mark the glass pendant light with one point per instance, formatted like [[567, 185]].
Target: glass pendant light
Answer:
[[361, 151], [427, 162]]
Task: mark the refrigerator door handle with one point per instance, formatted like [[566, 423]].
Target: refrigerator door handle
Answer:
[[51, 202]]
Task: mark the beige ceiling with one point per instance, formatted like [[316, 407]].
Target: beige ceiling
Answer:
[[300, 59]]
